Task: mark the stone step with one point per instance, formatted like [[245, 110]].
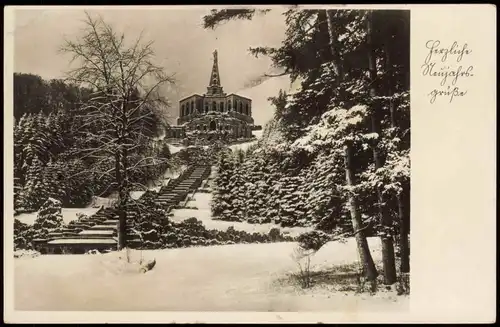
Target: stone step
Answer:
[[165, 203], [86, 221], [167, 200], [108, 226], [69, 235], [110, 222], [82, 241], [97, 233], [184, 187], [168, 193], [99, 217], [103, 227], [168, 196]]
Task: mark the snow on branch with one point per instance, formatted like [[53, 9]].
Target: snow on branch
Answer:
[[217, 17], [336, 126]]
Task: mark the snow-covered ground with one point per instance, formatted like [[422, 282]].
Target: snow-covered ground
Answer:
[[258, 134], [246, 145], [242, 277], [250, 277], [175, 149], [201, 201], [68, 214]]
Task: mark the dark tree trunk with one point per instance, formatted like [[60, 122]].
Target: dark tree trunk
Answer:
[[121, 200], [323, 38], [404, 247], [388, 256], [333, 45], [403, 234], [369, 269]]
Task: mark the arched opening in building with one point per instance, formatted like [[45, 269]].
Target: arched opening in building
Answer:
[[241, 107], [182, 110], [192, 107], [247, 112], [214, 106], [206, 107], [229, 105], [213, 126], [222, 107]]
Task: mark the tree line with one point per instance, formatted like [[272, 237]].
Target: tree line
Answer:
[[93, 132], [340, 144]]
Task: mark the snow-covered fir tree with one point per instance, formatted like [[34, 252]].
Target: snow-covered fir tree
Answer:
[[49, 217], [36, 191], [222, 194]]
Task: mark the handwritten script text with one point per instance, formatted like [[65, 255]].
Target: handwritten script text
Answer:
[[445, 64]]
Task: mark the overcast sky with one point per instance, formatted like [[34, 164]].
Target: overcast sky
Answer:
[[181, 44]]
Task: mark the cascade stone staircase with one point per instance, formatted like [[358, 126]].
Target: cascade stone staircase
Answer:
[[99, 231]]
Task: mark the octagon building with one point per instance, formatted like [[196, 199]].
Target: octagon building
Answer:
[[215, 114]]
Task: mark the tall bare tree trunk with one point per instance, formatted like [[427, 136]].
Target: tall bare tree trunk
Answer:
[[333, 45], [388, 256], [363, 250], [404, 247], [369, 269], [121, 200], [403, 234]]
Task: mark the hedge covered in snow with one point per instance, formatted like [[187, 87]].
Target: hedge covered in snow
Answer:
[[278, 185], [157, 231]]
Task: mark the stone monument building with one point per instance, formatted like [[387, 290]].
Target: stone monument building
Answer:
[[215, 114]]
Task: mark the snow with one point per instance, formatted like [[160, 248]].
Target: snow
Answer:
[[83, 241], [96, 232], [242, 146], [243, 277], [26, 253], [136, 194], [175, 149], [246, 145], [98, 201], [201, 201], [68, 214], [258, 134]]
